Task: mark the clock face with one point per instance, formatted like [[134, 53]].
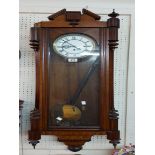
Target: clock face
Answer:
[[74, 46]]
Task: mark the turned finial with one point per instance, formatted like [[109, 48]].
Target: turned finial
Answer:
[[113, 14]]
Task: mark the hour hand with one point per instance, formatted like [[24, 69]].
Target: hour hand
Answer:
[[66, 46]]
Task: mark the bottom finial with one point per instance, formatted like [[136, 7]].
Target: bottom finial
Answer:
[[34, 143], [114, 142], [75, 149]]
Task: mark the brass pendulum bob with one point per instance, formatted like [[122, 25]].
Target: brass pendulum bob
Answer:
[[71, 112]]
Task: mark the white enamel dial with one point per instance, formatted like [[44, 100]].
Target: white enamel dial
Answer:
[[74, 45]]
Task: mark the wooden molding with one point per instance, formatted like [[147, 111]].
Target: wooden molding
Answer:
[[113, 24], [55, 15], [73, 19], [91, 14]]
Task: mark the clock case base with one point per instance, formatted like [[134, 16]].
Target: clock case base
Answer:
[[75, 139]]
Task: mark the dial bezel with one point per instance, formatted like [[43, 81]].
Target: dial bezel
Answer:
[[92, 52]]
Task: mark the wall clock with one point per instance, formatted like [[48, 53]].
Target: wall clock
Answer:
[[74, 78]]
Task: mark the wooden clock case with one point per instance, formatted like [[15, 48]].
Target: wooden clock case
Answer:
[[108, 38]]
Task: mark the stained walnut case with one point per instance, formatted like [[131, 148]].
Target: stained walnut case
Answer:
[[74, 99]]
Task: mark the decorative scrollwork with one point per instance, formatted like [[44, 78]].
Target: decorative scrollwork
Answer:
[[35, 114], [113, 114], [34, 44], [113, 45]]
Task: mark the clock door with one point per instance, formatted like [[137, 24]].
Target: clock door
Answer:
[[73, 82]]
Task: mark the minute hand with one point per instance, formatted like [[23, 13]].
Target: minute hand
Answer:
[[73, 45]]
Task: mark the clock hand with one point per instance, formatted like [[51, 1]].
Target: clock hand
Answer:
[[73, 45], [66, 46]]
